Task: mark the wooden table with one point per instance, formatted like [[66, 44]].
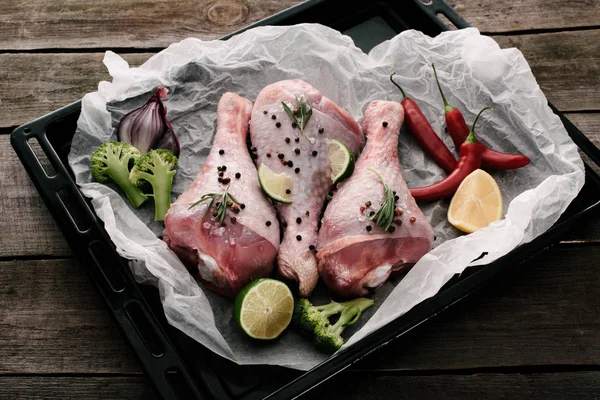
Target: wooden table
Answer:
[[533, 335]]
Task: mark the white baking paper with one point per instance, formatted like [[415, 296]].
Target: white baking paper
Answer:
[[474, 72]]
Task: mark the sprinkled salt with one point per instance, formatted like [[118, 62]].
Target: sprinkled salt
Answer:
[[221, 231], [207, 225]]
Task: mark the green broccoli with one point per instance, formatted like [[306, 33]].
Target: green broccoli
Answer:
[[111, 160], [157, 168], [315, 320]]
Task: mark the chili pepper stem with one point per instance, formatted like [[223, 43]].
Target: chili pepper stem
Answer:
[[447, 107], [398, 86], [471, 138]]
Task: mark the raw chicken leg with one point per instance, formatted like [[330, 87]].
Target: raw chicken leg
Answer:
[[356, 256], [283, 148], [244, 248]]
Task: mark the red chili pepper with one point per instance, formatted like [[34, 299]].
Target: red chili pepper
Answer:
[[420, 128], [458, 130], [469, 161]]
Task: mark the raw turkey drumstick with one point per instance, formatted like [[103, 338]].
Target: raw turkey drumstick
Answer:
[[372, 226], [222, 227], [300, 150]]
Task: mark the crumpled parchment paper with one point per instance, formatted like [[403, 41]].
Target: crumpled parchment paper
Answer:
[[474, 72]]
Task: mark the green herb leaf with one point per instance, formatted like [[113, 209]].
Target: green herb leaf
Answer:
[[385, 215], [221, 209], [303, 114]]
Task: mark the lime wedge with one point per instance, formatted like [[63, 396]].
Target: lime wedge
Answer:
[[341, 161], [277, 186], [264, 308]]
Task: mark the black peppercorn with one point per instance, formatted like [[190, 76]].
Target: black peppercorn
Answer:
[[238, 175], [284, 224], [294, 125], [321, 130], [391, 229], [297, 140], [287, 139], [297, 151], [298, 220], [280, 156], [371, 213], [311, 247], [290, 163], [233, 220], [298, 237], [268, 155], [278, 124], [297, 170], [254, 156], [221, 152], [369, 228], [242, 206], [384, 123], [265, 112], [288, 191], [273, 116], [396, 198], [224, 168], [268, 223], [314, 153]]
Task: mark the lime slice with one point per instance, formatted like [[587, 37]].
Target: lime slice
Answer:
[[264, 308], [277, 186], [341, 161]]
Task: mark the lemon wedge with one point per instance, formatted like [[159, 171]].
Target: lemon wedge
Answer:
[[476, 203]]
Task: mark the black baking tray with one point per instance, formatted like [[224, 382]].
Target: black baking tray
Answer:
[[179, 367]]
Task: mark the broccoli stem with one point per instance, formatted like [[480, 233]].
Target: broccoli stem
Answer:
[[162, 201], [351, 312], [120, 175]]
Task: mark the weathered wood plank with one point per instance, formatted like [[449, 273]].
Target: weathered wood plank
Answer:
[[347, 386], [566, 65], [52, 321], [510, 15], [559, 386], [544, 314], [36, 84], [144, 24], [27, 226], [76, 388], [110, 24]]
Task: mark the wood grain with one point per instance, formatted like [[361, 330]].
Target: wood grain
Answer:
[[510, 15], [111, 24], [27, 226], [33, 85], [53, 321], [39, 24], [355, 386], [76, 388], [566, 65]]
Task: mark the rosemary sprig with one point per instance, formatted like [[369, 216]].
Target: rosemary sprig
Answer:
[[385, 215], [303, 113], [220, 212]]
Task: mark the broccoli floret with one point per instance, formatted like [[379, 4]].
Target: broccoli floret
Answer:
[[157, 168], [111, 160], [315, 320]]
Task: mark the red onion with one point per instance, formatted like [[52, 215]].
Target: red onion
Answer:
[[147, 127]]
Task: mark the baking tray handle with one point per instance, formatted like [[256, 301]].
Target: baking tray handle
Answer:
[[435, 7], [109, 272]]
